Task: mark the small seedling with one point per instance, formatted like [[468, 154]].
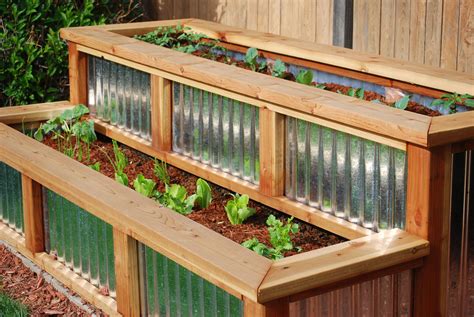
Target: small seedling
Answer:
[[305, 77], [175, 197], [119, 163], [402, 103], [95, 166], [203, 193], [161, 171], [279, 69], [144, 186], [237, 209], [251, 60], [451, 101]]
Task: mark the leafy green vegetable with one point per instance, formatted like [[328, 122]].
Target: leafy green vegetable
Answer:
[[144, 186], [95, 166], [237, 209], [402, 103], [251, 60], [175, 197], [359, 92], [261, 249], [203, 193], [119, 163], [161, 171], [279, 69], [305, 77], [450, 101]]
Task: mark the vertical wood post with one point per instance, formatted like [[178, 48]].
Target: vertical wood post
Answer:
[[126, 272], [77, 75], [428, 208], [276, 308], [161, 117], [33, 214], [272, 153]]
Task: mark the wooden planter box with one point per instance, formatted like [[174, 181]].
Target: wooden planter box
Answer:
[[411, 157]]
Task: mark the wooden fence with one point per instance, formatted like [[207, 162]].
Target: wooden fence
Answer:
[[433, 32]]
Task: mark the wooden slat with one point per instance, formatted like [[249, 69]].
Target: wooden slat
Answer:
[[256, 102], [465, 60], [222, 262], [417, 31], [33, 214], [126, 272], [306, 213], [63, 274], [339, 262], [428, 210], [395, 123], [324, 21], [387, 28], [451, 129], [77, 75], [450, 29], [278, 308], [161, 120], [272, 153], [434, 15], [33, 113], [401, 29]]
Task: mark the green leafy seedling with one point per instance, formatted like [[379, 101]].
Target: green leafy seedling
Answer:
[[203, 193], [161, 171], [280, 234], [358, 93], [119, 163], [175, 197], [237, 209], [402, 103], [451, 101], [305, 77], [279, 69], [260, 248], [144, 186], [95, 166], [251, 60]]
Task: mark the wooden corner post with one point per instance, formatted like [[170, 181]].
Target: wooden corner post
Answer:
[[272, 152], [428, 208], [127, 275], [77, 75], [33, 214], [161, 113], [276, 308]]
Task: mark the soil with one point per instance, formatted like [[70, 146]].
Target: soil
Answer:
[[205, 52], [214, 217], [25, 286]]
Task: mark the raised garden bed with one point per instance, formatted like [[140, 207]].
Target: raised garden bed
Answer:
[[349, 166]]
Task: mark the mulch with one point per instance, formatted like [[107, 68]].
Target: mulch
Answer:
[[25, 286]]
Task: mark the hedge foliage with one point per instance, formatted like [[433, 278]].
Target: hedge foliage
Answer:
[[33, 59]]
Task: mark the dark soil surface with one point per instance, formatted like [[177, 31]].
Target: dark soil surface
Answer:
[[214, 217], [25, 286]]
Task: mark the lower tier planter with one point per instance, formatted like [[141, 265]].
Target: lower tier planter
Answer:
[[166, 263]]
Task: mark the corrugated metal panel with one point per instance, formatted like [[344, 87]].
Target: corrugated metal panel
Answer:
[[216, 131], [120, 95], [80, 240], [344, 175], [172, 290], [390, 295], [461, 244], [11, 201]]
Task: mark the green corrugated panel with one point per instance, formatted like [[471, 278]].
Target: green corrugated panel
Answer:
[[11, 202], [172, 290], [81, 240]]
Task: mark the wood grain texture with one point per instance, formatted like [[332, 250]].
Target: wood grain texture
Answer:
[[451, 129], [127, 275], [277, 308], [33, 113], [161, 113], [428, 212], [224, 263], [33, 214], [321, 267], [77, 75]]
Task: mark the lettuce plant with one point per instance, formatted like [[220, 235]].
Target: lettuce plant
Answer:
[[402, 103], [144, 186], [237, 209], [251, 60], [279, 69], [203, 193], [305, 77], [176, 197]]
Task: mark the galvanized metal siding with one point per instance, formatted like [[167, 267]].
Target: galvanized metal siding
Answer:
[[11, 201]]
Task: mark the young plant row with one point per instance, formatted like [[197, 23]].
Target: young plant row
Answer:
[[75, 134], [184, 40]]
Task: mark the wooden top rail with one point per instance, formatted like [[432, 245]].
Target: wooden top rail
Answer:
[[215, 258], [33, 113], [358, 114]]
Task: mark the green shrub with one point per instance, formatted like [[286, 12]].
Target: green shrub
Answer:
[[34, 62]]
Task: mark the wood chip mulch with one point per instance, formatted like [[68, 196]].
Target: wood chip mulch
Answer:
[[25, 286]]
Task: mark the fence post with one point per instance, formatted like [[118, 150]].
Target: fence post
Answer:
[[77, 75], [428, 211], [161, 118], [33, 214], [127, 275], [276, 308], [272, 152]]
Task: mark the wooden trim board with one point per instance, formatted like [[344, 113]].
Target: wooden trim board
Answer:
[[33, 113]]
